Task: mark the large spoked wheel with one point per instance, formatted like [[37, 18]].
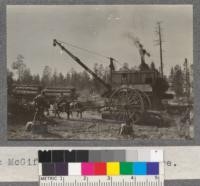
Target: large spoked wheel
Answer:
[[146, 100], [128, 104]]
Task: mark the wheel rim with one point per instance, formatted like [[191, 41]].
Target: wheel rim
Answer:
[[126, 104], [146, 100]]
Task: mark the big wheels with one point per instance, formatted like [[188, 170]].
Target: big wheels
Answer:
[[127, 104]]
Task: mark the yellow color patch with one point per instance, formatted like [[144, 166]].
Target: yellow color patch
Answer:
[[112, 168]]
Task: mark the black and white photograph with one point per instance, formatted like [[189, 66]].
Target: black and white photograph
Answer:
[[100, 72]]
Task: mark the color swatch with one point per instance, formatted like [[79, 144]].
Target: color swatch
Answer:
[[113, 168], [140, 168], [100, 168], [97, 163], [126, 168], [87, 169]]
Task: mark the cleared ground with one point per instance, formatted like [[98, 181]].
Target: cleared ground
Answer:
[[91, 127]]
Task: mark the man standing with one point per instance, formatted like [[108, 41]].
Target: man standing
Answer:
[[65, 105], [59, 105], [68, 109], [40, 105], [60, 100]]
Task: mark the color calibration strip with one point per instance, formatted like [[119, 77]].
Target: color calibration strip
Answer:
[[99, 169], [100, 162]]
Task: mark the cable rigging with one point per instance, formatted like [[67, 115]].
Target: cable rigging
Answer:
[[89, 51]]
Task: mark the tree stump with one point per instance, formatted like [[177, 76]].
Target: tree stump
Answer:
[[126, 130], [36, 127], [39, 128]]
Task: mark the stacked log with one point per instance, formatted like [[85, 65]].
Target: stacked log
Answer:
[[68, 92]]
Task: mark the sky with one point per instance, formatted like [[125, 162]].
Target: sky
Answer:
[[100, 28]]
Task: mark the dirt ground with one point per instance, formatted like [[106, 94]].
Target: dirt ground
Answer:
[[91, 127]]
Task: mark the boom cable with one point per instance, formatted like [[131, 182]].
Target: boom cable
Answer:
[[84, 49], [89, 51]]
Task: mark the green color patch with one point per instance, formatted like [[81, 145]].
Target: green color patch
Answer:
[[126, 168]]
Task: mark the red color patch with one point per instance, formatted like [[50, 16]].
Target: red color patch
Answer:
[[100, 168]]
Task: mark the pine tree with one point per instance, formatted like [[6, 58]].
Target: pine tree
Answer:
[[178, 81], [19, 65], [46, 76]]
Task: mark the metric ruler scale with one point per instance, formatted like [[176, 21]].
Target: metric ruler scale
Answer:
[[102, 181], [101, 168]]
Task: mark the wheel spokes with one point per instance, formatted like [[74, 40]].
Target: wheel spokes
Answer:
[[126, 104]]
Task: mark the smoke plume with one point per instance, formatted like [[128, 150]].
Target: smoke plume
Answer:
[[135, 40]]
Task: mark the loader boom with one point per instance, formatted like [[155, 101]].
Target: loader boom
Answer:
[[56, 43]]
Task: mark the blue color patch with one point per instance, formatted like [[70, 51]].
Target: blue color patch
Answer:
[[152, 168], [139, 168]]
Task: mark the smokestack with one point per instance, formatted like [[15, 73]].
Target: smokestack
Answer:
[[142, 51]]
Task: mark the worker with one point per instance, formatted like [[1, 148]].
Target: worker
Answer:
[[68, 109], [186, 124], [56, 110], [126, 129], [40, 106], [59, 105], [60, 98]]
